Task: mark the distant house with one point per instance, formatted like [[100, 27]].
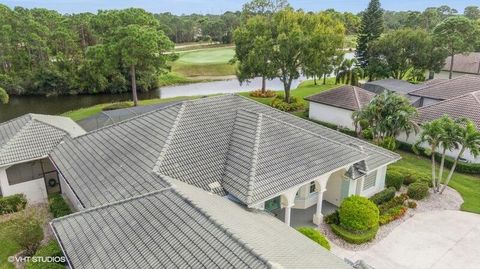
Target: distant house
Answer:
[[462, 64], [398, 86], [195, 184], [25, 143], [432, 93], [337, 105], [467, 105]]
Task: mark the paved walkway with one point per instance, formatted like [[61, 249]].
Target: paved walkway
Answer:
[[433, 240]]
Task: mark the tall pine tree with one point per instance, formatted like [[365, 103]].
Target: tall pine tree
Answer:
[[370, 29]]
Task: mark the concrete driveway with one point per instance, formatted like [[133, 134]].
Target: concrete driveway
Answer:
[[433, 240]]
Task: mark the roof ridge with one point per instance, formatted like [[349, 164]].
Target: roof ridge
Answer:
[[219, 223], [117, 202], [373, 148], [357, 98], [17, 118], [436, 84], [168, 141], [474, 94], [253, 168]]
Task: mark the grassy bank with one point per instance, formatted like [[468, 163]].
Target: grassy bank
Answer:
[[467, 185], [7, 246], [204, 62], [82, 113]]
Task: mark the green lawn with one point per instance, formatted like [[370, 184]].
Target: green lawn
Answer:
[[205, 62], [467, 185], [7, 246], [82, 113]]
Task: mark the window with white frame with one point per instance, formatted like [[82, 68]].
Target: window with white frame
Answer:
[[312, 187], [370, 181]]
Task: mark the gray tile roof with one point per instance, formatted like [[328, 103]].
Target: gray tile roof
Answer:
[[29, 137], [346, 97], [157, 230], [267, 156], [396, 85], [191, 142], [467, 106], [468, 63], [450, 88]]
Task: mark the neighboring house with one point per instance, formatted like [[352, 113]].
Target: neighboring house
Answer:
[[401, 87], [25, 143], [467, 106], [337, 105], [432, 93], [462, 64], [191, 185]]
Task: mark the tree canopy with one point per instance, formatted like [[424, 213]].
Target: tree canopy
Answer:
[[371, 28]]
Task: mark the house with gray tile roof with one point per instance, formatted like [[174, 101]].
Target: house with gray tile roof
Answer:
[[336, 106], [464, 63], [25, 143], [231, 159]]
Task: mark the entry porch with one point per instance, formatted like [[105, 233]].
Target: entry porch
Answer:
[[303, 217]]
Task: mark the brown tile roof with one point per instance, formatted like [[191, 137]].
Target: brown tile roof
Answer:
[[346, 97], [450, 88], [467, 106], [468, 63]]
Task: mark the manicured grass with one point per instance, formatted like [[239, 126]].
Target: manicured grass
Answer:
[[86, 112], [303, 90], [7, 246], [467, 185], [205, 62]]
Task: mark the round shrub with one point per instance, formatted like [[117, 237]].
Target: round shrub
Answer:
[[383, 196], [394, 179], [315, 235], [417, 190], [367, 133], [265, 94], [358, 214], [294, 105], [354, 238]]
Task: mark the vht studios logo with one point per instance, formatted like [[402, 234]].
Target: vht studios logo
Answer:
[[37, 259]]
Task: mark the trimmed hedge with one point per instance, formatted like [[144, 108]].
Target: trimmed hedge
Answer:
[[315, 235], [58, 206], [51, 249], [12, 203], [409, 175], [394, 179], [354, 238], [417, 190], [383, 196], [468, 168], [358, 214]]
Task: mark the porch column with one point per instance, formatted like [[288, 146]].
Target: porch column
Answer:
[[289, 201], [318, 217]]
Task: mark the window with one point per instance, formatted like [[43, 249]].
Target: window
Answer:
[[313, 188], [370, 181], [24, 172]]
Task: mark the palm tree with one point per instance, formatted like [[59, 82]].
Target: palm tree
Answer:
[[431, 134], [448, 141], [469, 138], [349, 72]]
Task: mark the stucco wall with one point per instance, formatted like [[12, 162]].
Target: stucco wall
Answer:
[[68, 193], [35, 190], [330, 114], [334, 185], [412, 139]]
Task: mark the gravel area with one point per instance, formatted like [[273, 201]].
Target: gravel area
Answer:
[[449, 200]]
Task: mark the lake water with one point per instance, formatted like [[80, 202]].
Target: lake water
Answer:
[[55, 105]]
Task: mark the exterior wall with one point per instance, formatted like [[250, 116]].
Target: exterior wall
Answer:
[[331, 114], [35, 190], [334, 188], [412, 139], [68, 193], [379, 183]]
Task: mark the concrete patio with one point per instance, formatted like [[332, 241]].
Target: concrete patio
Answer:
[[304, 217]]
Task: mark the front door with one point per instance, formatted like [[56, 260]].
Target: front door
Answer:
[[345, 189]]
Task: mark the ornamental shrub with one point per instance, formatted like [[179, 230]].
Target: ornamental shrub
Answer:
[[294, 105], [396, 201], [332, 218], [389, 143], [383, 196], [355, 238], [417, 190], [58, 206], [315, 235], [50, 249], [392, 214], [394, 179], [260, 94], [367, 133], [412, 204], [358, 214], [12, 203]]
